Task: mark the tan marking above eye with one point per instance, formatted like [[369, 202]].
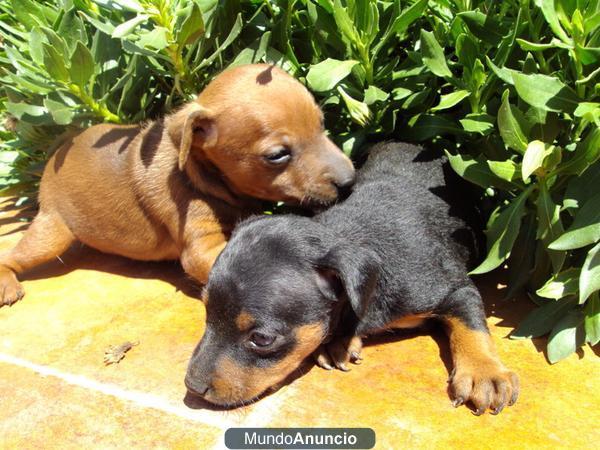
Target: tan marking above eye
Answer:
[[244, 321]]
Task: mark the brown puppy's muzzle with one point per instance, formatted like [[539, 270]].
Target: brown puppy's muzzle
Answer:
[[335, 174]]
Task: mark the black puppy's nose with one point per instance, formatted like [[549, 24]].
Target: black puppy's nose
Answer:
[[195, 387]]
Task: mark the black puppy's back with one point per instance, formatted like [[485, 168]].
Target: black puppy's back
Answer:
[[414, 214]]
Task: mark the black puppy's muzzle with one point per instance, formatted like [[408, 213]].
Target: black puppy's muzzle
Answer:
[[196, 387]]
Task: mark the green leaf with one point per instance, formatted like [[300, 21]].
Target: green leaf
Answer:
[[522, 258], [545, 92], [433, 55], [566, 336], [589, 280], [485, 27], [327, 74], [55, 64], [507, 170], [510, 127], [585, 229], [62, 114], [36, 50], [344, 22], [541, 320], [586, 108], [27, 12], [478, 123], [192, 28], [502, 233], [477, 171], [549, 11], [373, 94], [592, 320], [561, 285], [586, 153], [231, 37], [450, 100], [549, 225], [21, 109], [127, 28], [504, 73], [72, 29], [426, 126], [156, 39], [533, 158], [537, 47], [408, 16], [82, 65]]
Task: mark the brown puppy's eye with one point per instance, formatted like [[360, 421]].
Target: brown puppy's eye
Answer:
[[261, 340], [279, 156]]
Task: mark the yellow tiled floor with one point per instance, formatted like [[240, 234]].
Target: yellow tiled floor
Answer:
[[55, 391]]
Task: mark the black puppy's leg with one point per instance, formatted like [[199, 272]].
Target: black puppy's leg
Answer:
[[478, 375], [340, 351]]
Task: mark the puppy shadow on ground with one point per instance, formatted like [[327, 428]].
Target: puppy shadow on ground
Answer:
[[80, 256]]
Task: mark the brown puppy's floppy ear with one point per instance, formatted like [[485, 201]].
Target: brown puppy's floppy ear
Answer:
[[357, 270], [192, 124]]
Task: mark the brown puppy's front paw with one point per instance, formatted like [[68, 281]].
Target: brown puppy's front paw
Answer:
[[339, 352], [486, 385], [11, 290]]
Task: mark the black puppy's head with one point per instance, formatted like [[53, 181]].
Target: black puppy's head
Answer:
[[269, 302]]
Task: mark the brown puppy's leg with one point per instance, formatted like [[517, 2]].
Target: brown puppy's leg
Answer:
[[478, 375], [199, 256], [339, 352], [46, 238]]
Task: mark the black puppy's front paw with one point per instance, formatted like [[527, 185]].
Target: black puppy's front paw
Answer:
[[339, 352], [486, 385]]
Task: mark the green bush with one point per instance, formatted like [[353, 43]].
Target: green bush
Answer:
[[510, 90]]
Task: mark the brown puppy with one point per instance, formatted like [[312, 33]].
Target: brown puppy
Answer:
[[176, 187]]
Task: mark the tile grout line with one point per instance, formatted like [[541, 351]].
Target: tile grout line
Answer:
[[261, 414], [141, 399]]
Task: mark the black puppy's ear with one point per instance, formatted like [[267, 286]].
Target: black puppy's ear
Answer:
[[356, 270]]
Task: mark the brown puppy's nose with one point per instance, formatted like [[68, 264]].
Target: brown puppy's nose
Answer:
[[344, 183]]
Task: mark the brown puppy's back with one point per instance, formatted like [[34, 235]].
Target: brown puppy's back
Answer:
[[88, 183]]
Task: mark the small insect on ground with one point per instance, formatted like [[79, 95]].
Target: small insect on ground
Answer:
[[115, 353]]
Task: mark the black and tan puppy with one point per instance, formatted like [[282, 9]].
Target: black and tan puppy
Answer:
[[393, 255]]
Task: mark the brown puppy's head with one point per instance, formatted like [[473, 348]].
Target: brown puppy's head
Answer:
[[264, 132], [270, 299]]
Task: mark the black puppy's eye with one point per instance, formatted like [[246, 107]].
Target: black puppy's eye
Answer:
[[261, 340], [279, 156]]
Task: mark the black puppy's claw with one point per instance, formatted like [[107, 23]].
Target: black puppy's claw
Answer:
[[478, 412], [457, 402], [356, 358], [497, 410], [343, 367]]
